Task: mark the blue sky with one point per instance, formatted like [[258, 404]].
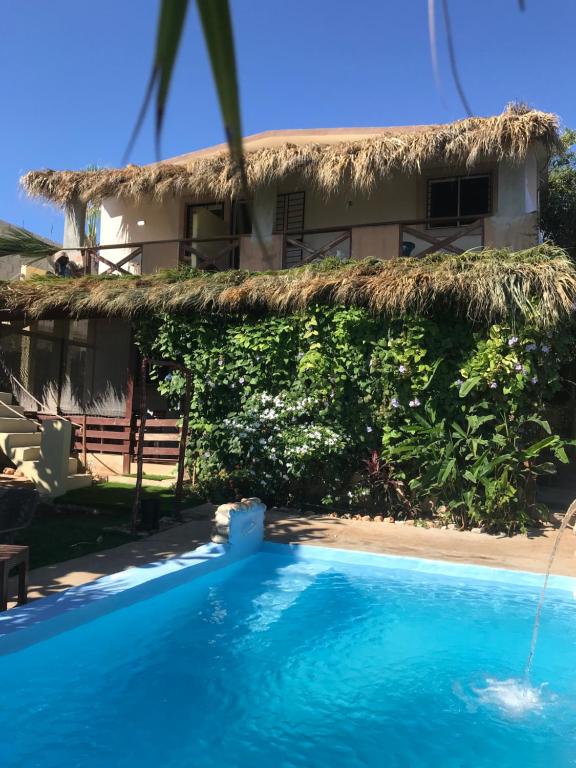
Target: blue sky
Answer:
[[73, 75]]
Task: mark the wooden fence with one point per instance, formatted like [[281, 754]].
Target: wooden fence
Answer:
[[103, 434]]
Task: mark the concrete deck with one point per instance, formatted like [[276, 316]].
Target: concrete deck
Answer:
[[528, 553]]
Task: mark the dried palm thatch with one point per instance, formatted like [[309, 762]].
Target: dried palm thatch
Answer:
[[360, 164], [537, 284]]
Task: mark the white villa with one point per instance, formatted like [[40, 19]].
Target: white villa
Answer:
[[349, 193]]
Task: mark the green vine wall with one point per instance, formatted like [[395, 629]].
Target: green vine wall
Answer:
[[414, 418]]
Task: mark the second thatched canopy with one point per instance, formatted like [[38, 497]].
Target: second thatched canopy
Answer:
[[536, 285]]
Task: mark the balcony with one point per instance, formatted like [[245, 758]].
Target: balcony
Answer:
[[383, 240], [380, 240]]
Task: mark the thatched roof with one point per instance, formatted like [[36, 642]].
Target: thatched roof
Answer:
[[360, 163], [484, 287]]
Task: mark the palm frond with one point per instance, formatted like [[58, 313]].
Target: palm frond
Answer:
[[20, 242], [168, 35]]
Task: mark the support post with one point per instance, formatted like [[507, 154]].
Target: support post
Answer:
[[84, 442], [74, 224], [183, 440], [129, 408], [140, 447]]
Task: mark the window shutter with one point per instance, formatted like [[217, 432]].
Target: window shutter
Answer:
[[289, 219]]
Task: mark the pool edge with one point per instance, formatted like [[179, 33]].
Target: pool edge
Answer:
[[422, 565]]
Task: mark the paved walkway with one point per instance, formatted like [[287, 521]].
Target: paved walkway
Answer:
[[524, 553], [528, 553]]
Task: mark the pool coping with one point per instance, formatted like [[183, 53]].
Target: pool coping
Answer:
[[25, 625], [472, 571]]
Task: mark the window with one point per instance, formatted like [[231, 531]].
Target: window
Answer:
[[452, 199], [241, 218], [193, 212], [289, 212], [289, 218]]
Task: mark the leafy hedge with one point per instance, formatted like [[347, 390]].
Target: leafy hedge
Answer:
[[334, 405]]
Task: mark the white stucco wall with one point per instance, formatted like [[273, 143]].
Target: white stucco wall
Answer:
[[162, 221]]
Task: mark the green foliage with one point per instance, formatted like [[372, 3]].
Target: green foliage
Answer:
[[93, 212], [216, 22], [16, 241], [558, 218], [411, 418]]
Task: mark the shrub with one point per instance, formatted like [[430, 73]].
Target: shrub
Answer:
[[295, 406]]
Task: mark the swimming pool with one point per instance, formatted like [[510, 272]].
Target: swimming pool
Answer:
[[297, 657]]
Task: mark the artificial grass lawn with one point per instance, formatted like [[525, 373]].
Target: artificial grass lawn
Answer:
[[58, 536], [114, 496], [55, 536]]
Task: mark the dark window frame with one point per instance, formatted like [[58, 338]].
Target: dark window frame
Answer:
[[296, 197], [188, 210], [236, 203], [449, 222]]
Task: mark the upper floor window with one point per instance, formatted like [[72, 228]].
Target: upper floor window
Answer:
[[289, 216], [241, 218], [452, 199], [195, 212]]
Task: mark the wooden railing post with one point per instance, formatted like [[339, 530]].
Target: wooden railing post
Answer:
[[140, 448], [84, 442], [183, 439], [129, 407]]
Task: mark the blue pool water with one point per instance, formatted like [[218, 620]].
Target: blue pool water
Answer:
[[289, 663]]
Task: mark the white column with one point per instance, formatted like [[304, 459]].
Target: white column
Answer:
[[74, 224]]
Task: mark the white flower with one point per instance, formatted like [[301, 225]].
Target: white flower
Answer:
[[368, 429], [512, 341], [414, 403]]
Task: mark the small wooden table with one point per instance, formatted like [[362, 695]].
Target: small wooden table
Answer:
[[13, 556]]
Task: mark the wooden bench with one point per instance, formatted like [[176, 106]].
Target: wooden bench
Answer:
[[13, 556]]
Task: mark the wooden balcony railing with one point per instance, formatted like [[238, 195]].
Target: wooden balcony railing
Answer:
[[210, 253], [93, 259], [432, 236], [379, 240], [384, 240]]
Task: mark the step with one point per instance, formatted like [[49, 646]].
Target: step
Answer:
[[25, 453], [32, 453], [10, 412], [78, 481], [6, 397], [17, 425], [11, 440]]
